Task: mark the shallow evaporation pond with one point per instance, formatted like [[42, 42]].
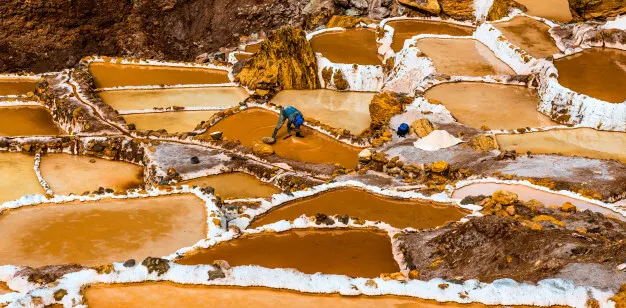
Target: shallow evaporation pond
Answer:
[[167, 294], [172, 122], [346, 110], [27, 121], [356, 253], [354, 46], [108, 75], [17, 86], [92, 233], [251, 125], [462, 57], [530, 35], [526, 193], [236, 185], [242, 56], [19, 178], [164, 98], [597, 72], [497, 106], [399, 213], [557, 10], [78, 174], [406, 29], [585, 142]]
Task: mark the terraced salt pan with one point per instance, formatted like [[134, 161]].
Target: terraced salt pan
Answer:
[[19, 178], [496, 106], [353, 46], [27, 121], [347, 110], [526, 193], [237, 185], [173, 122], [597, 72], [217, 97], [356, 253], [166, 294], [584, 142], [253, 48], [108, 75], [77, 174], [93, 233], [405, 29], [557, 10], [17, 86], [462, 57], [398, 213], [530, 35], [251, 125]]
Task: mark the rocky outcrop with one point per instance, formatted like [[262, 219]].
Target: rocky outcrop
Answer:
[[597, 9], [501, 8], [458, 9], [382, 107], [483, 143], [45, 36], [284, 61], [524, 241], [422, 127], [344, 21], [428, 6]]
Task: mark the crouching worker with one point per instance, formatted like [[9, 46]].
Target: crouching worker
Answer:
[[294, 118]]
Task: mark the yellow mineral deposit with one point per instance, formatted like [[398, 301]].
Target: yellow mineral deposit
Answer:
[[530, 35], [94, 233], [354, 46], [172, 122], [27, 121], [17, 86], [462, 57], [235, 185], [164, 98], [253, 124], [357, 253], [77, 174], [19, 178], [597, 72], [108, 75], [557, 10], [346, 110], [583, 142], [526, 193], [4, 289], [405, 29], [366, 206], [493, 105], [166, 294]]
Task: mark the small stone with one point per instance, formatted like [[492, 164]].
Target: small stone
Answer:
[[92, 160], [195, 160], [414, 274], [365, 155], [443, 286], [581, 230], [440, 166], [216, 274], [323, 219], [344, 219], [59, 294], [510, 210], [504, 197], [262, 149], [422, 127], [379, 157], [216, 135], [156, 265], [371, 283], [550, 219], [568, 207], [129, 263]]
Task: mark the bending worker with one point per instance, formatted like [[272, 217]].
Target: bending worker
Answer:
[[294, 118]]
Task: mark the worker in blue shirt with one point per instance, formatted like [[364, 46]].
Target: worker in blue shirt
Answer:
[[294, 118]]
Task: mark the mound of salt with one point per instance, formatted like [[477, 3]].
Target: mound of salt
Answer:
[[437, 139]]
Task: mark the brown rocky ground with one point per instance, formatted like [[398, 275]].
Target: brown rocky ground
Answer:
[[521, 241]]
